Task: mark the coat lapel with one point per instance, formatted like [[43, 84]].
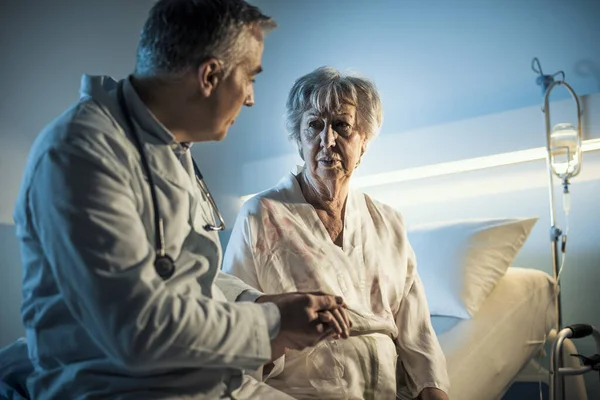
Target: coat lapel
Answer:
[[167, 167]]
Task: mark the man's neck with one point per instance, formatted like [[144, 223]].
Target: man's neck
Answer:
[[162, 100]]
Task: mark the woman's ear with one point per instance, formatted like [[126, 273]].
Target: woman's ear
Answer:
[[210, 73], [300, 152], [363, 148]]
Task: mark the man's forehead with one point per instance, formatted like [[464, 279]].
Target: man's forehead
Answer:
[[253, 56]]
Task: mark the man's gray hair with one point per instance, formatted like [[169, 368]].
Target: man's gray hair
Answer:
[[326, 90], [179, 35]]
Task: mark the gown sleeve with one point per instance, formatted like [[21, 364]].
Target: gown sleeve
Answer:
[[239, 261], [421, 362]]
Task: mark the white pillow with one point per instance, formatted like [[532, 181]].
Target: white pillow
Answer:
[[460, 262]]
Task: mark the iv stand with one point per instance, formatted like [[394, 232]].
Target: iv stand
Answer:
[[557, 371], [556, 235]]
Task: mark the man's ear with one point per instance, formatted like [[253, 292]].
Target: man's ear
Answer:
[[210, 74]]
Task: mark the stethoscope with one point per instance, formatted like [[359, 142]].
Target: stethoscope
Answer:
[[163, 263]]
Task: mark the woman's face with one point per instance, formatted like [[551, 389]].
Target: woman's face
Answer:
[[331, 144]]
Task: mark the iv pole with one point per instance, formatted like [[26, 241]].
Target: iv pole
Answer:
[[573, 167], [556, 234]]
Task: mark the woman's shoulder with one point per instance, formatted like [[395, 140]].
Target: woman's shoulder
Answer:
[[273, 199], [381, 210], [265, 201]]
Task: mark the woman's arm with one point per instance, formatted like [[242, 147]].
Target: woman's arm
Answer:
[[238, 261], [420, 356]]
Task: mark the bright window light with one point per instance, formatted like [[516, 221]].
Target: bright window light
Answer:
[[456, 167]]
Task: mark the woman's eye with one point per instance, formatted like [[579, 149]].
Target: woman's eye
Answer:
[[316, 124], [343, 127]]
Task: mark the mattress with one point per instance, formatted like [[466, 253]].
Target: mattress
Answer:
[[486, 352]]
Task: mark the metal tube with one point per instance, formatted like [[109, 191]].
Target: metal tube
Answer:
[[557, 371], [556, 364], [554, 246], [570, 371]]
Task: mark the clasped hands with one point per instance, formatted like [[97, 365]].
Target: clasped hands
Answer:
[[307, 319]]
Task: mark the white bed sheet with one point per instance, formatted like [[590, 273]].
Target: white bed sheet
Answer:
[[485, 353]]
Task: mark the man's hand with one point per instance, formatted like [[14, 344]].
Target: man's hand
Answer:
[[306, 319], [432, 394]]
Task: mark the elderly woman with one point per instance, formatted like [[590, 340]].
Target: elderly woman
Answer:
[[312, 233]]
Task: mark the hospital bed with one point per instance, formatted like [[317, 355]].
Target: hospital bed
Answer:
[[486, 352]]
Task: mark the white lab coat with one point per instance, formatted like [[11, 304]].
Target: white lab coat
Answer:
[[278, 245], [99, 320]]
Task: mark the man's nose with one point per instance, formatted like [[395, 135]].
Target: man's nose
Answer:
[[249, 102]]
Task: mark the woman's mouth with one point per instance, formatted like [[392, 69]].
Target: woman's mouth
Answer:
[[328, 162]]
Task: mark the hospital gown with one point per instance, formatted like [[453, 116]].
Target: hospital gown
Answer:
[[279, 245]]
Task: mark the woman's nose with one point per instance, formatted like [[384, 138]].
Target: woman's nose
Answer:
[[328, 136]]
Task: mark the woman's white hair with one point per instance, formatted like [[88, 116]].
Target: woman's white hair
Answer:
[[326, 90]]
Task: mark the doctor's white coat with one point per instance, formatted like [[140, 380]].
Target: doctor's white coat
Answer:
[[99, 321]]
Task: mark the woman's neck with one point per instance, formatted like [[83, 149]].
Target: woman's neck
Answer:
[[328, 196]]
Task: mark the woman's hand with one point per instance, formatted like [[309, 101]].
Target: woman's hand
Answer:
[[306, 319], [337, 321]]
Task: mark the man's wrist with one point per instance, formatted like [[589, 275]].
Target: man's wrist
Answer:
[[271, 311], [273, 317], [431, 393], [249, 295]]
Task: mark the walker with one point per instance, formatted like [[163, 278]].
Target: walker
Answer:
[[558, 372]]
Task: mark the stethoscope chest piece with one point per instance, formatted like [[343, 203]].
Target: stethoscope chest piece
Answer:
[[164, 266]]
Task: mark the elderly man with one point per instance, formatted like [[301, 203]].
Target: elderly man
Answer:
[[118, 233]]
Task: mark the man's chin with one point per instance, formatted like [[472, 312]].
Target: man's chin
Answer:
[[220, 135], [210, 136]]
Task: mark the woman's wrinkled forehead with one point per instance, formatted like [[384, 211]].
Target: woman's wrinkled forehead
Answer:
[[346, 109], [328, 100]]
